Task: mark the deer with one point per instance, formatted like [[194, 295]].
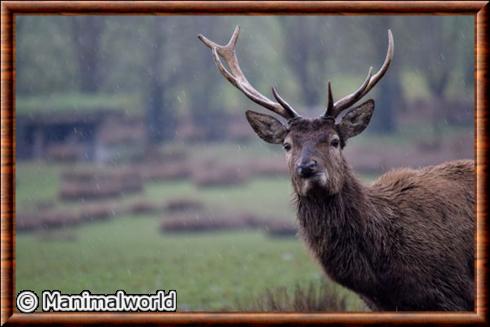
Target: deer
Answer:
[[405, 242]]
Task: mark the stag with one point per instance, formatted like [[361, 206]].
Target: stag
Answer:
[[405, 242]]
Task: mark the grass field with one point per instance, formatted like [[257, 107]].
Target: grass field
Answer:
[[210, 271]]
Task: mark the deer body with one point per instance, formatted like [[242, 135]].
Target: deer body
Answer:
[[398, 256], [406, 242]]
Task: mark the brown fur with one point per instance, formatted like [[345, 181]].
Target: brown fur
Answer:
[[403, 243], [406, 242]]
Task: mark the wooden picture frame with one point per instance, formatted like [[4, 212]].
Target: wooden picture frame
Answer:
[[10, 9]]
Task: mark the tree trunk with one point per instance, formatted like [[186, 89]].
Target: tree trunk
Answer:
[[87, 31], [306, 59], [390, 98], [160, 118]]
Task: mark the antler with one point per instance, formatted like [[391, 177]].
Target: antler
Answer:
[[238, 79], [334, 109]]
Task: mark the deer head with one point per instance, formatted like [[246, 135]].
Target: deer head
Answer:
[[313, 146]]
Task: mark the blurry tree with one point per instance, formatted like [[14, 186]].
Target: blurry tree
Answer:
[[439, 65], [44, 56], [437, 72], [305, 57], [160, 111], [390, 98], [202, 80], [86, 36]]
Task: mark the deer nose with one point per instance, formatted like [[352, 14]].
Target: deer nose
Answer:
[[307, 169]]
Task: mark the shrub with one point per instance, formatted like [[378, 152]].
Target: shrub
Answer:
[[202, 223], [250, 220], [75, 191], [164, 171], [99, 183], [182, 205], [97, 211], [218, 176], [144, 207], [45, 205], [315, 297], [268, 168], [66, 152], [281, 228], [59, 218], [206, 221], [28, 221], [182, 220]]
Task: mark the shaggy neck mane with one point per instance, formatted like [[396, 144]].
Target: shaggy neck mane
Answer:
[[346, 233]]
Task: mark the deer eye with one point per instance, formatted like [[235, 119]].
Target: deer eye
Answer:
[[335, 143], [286, 146]]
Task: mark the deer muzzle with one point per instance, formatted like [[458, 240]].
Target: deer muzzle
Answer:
[[307, 169]]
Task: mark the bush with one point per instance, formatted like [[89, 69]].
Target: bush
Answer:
[[182, 205], [142, 207], [98, 211], [82, 191], [316, 297], [59, 218], [188, 215], [268, 168], [47, 219], [67, 152], [164, 171], [218, 175], [99, 183], [281, 229], [44, 205], [188, 221], [27, 221], [203, 223]]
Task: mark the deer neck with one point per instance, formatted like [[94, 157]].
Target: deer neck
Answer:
[[345, 232], [325, 212]]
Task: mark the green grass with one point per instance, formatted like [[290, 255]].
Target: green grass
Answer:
[[209, 271], [269, 197], [36, 182]]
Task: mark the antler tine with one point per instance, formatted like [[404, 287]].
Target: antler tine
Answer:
[[384, 68], [368, 83], [238, 79], [283, 103], [352, 98], [229, 46], [329, 111]]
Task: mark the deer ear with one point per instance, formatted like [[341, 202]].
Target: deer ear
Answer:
[[356, 119], [267, 127]]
